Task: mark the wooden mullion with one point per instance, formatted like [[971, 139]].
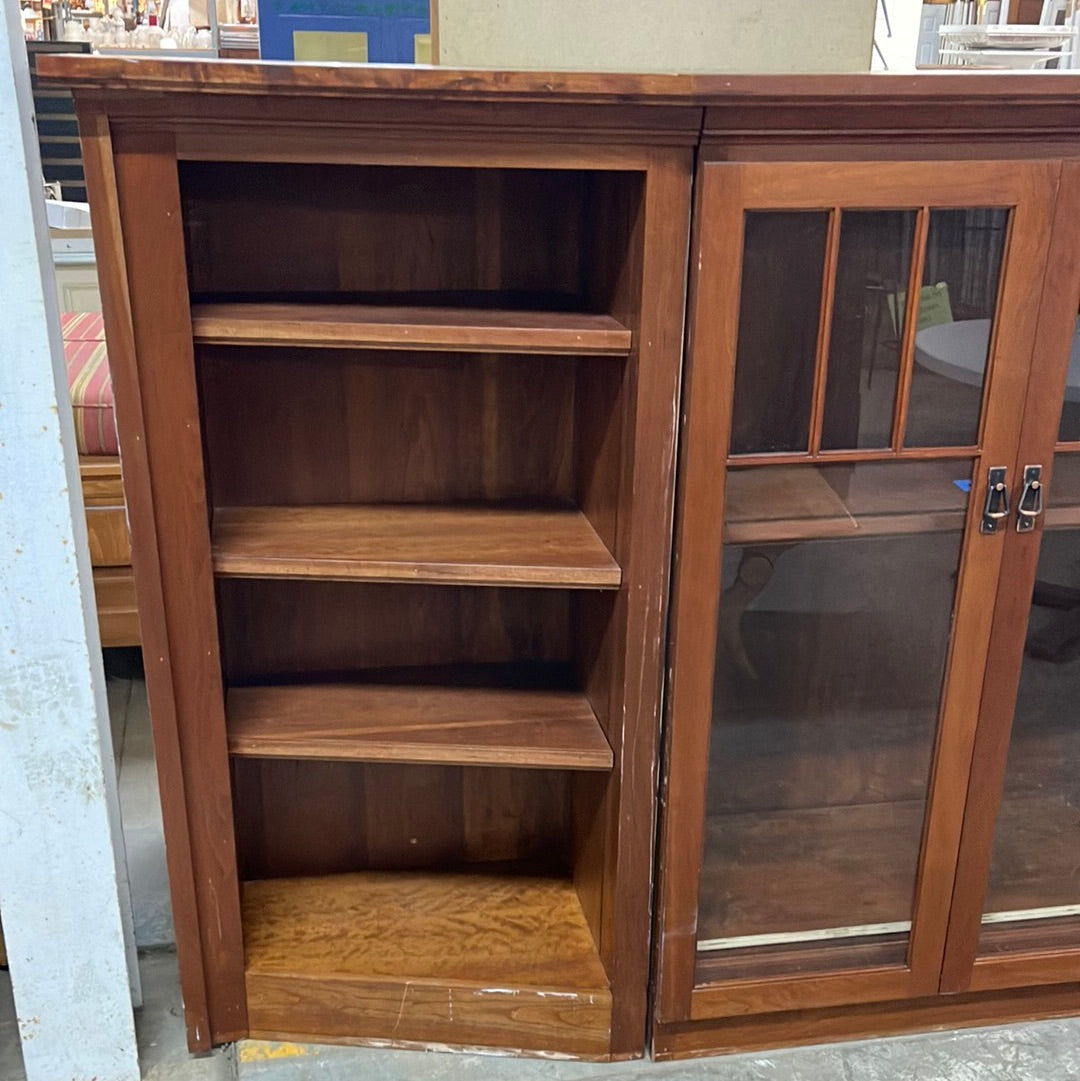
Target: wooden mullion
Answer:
[[824, 335], [911, 321]]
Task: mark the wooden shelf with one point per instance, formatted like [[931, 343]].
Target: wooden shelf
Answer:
[[362, 326], [538, 729], [454, 958], [465, 545]]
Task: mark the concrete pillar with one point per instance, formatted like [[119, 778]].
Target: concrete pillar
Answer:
[[60, 853]]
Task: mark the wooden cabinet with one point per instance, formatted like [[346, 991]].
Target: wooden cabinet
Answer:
[[871, 386], [398, 406], [397, 359]]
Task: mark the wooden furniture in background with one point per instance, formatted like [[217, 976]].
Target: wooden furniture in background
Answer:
[[397, 364], [110, 550], [90, 386]]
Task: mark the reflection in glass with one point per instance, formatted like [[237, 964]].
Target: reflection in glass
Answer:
[[783, 263], [790, 502], [1034, 887], [956, 311], [829, 667], [872, 270], [1064, 491]]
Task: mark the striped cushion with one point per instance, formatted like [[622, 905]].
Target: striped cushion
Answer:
[[89, 382]]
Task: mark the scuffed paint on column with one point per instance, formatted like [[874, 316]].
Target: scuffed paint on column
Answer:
[[60, 873]]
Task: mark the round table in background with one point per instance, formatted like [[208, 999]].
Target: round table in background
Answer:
[[958, 351]]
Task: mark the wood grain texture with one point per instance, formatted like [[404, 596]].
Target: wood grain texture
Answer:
[[110, 550], [643, 547], [464, 726], [374, 81], [350, 326], [810, 1026], [457, 236], [383, 816], [434, 1015], [191, 722], [117, 610], [277, 630], [467, 545], [1032, 967], [461, 958], [102, 183], [102, 485], [712, 335], [309, 426], [107, 534]]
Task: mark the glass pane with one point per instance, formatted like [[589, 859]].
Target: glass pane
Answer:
[[1033, 899], [956, 312], [1070, 414], [791, 502], [779, 312], [829, 669], [872, 269]]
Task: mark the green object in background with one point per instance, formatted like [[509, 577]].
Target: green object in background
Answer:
[[934, 307], [350, 47]]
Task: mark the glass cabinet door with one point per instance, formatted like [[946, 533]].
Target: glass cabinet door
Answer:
[[1033, 890], [1016, 911], [861, 340]]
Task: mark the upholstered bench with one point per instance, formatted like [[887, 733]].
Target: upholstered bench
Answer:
[[95, 434]]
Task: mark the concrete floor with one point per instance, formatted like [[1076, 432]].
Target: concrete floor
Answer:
[[1040, 1051]]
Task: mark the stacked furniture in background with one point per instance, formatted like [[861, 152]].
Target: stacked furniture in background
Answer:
[[90, 386]]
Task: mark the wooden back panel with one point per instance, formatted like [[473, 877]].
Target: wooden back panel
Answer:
[[272, 630], [273, 228], [286, 426], [304, 818]]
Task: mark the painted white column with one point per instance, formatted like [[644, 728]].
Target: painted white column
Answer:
[[60, 844]]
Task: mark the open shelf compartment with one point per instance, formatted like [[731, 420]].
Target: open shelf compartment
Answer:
[[459, 958]]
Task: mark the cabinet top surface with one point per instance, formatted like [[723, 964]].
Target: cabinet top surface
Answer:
[[154, 75]]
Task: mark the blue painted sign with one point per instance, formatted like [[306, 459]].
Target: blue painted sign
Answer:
[[390, 25]]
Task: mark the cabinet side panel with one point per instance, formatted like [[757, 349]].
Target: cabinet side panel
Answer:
[[149, 202], [643, 550], [138, 497], [602, 419]]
